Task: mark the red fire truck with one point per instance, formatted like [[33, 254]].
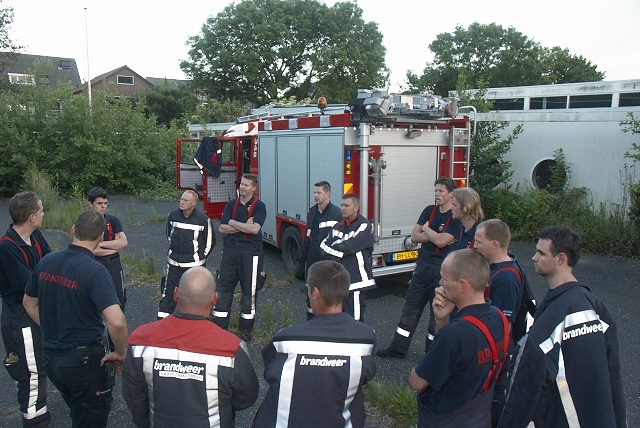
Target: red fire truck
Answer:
[[387, 149]]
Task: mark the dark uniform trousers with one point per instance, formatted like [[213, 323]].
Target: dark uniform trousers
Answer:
[[113, 265], [85, 386], [242, 261], [421, 291], [314, 254], [167, 305], [22, 342]]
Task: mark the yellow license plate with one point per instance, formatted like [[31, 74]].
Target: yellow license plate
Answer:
[[405, 255]]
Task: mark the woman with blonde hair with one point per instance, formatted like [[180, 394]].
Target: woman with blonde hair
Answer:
[[466, 208]]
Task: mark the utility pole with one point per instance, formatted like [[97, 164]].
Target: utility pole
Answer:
[[86, 32]]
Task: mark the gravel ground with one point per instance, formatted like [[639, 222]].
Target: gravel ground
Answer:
[[614, 280]]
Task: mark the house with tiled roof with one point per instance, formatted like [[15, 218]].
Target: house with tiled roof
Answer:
[[155, 81], [20, 68], [120, 82]]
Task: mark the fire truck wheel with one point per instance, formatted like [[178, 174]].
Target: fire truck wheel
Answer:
[[291, 247]]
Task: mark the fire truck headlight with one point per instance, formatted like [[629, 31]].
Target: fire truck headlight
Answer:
[[408, 244]]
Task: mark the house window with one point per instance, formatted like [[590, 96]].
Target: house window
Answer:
[[44, 80], [631, 99], [21, 79], [125, 80], [549, 103], [508, 104], [65, 64], [584, 101]]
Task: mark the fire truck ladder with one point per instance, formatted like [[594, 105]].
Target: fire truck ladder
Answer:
[[460, 140]]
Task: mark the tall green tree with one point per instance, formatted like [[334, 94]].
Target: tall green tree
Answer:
[[488, 167], [7, 47], [216, 111], [632, 125], [262, 50], [167, 103], [501, 57]]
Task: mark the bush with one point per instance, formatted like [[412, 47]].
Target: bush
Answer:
[[604, 229], [634, 207], [59, 214], [109, 143]]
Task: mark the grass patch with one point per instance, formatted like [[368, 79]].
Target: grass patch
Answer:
[[268, 323], [140, 270], [395, 400], [154, 217], [59, 214], [130, 216], [272, 282]]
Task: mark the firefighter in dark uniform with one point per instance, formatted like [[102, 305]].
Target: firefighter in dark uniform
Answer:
[[320, 220], [316, 370], [504, 290], [21, 248], [242, 256], [71, 296], [567, 370], [166, 377], [350, 243], [113, 241], [435, 230], [456, 376], [191, 239]]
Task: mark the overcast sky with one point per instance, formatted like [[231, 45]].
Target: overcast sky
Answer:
[[150, 36]]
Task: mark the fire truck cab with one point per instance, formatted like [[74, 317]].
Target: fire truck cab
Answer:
[[387, 149]]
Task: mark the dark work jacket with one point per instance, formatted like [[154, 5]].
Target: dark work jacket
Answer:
[[568, 366]]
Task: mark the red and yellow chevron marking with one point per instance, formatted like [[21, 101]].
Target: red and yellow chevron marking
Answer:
[[348, 188]]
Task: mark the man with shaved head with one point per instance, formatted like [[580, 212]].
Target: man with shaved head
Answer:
[[167, 376]]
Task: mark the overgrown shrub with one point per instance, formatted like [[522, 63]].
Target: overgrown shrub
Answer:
[[634, 206], [108, 143], [59, 214], [605, 229]]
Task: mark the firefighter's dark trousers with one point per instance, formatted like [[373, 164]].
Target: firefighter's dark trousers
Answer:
[[314, 254], [113, 265], [167, 305], [355, 304], [420, 293], [82, 382], [242, 261], [22, 341]]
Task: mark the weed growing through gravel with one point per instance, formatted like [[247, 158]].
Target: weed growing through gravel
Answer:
[[397, 401], [140, 269], [154, 217], [272, 282], [271, 320]]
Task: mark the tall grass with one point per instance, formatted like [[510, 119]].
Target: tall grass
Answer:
[[397, 401], [59, 214]]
